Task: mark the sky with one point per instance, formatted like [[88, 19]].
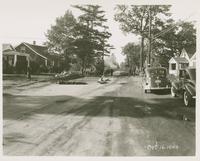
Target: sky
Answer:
[[29, 20]]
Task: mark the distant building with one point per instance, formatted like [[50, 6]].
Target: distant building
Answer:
[[180, 62]]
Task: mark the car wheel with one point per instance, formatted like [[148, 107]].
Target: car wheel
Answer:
[[187, 99], [173, 94], [145, 91]]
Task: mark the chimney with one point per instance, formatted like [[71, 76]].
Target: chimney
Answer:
[[34, 42]]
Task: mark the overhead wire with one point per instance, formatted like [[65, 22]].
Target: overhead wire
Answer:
[[168, 29]]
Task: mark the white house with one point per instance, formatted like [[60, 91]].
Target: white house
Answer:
[[192, 62], [180, 62], [177, 63], [184, 54]]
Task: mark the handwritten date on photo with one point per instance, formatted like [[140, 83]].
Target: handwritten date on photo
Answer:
[[157, 146]]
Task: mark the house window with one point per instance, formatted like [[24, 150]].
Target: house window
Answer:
[[23, 49], [173, 66], [183, 65]]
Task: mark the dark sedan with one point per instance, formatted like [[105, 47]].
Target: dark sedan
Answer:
[[155, 78], [185, 86]]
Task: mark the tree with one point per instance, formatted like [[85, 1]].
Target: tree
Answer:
[[60, 38], [186, 37], [135, 19], [132, 52], [91, 35], [179, 35], [80, 41]]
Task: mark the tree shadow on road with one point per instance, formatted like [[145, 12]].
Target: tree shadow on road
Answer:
[[23, 107]]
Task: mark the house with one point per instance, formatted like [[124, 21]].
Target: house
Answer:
[[192, 62], [177, 63], [40, 59], [37, 53], [14, 61]]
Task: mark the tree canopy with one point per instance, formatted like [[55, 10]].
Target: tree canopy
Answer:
[[83, 40], [135, 19], [179, 35], [132, 52]]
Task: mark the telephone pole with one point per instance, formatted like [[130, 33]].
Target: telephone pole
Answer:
[[149, 48]]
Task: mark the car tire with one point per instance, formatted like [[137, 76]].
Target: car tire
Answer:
[[173, 94], [145, 91], [187, 99]]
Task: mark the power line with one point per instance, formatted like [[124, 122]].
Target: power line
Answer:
[[166, 30]]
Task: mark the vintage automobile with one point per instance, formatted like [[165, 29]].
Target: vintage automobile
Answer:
[[185, 86], [155, 78], [120, 73]]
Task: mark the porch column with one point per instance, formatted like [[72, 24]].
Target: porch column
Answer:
[[28, 61], [15, 60], [45, 62], [177, 69]]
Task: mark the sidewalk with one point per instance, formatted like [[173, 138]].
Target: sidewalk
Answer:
[[19, 80]]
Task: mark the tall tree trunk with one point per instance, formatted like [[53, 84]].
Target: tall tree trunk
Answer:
[[103, 64], [141, 54], [83, 66]]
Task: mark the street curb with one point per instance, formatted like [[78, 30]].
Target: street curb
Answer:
[[38, 81]]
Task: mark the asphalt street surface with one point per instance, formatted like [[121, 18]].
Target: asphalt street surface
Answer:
[[113, 119]]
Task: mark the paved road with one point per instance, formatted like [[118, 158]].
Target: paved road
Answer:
[[114, 119]]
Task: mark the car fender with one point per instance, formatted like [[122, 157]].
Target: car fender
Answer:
[[190, 88], [175, 85]]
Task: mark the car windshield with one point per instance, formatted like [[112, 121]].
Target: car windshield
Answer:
[[157, 72], [192, 74]]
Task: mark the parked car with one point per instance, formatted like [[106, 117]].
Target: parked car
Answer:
[[185, 86], [155, 78], [120, 73]]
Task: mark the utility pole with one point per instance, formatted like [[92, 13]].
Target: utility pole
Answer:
[[149, 49]]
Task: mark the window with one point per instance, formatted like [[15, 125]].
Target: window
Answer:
[[173, 66], [183, 65], [23, 49]]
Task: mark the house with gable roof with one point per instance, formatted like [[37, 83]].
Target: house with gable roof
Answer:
[[14, 61], [177, 63], [192, 62], [40, 59]]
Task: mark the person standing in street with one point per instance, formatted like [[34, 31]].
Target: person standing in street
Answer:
[[111, 72]]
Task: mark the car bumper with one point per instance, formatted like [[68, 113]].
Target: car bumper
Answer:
[[157, 88]]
